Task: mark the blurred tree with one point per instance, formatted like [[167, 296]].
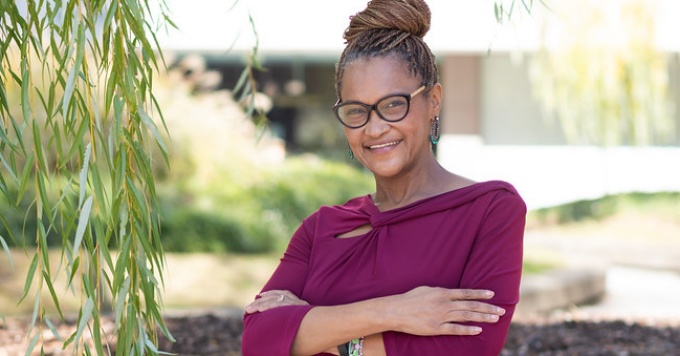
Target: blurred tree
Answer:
[[601, 75], [76, 142]]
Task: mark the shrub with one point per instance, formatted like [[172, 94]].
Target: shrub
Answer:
[[261, 216]]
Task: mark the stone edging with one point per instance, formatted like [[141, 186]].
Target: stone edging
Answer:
[[560, 288]]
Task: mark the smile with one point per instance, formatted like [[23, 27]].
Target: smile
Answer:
[[384, 145]]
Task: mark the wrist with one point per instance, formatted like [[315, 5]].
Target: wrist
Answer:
[[377, 315], [385, 313]]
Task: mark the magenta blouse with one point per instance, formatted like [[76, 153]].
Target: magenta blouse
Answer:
[[466, 238]]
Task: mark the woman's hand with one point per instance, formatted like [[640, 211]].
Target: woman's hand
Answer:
[[273, 299], [439, 311]]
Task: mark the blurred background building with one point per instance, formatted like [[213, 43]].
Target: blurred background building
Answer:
[[495, 125]]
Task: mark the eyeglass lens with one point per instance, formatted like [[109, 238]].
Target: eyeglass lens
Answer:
[[393, 108]]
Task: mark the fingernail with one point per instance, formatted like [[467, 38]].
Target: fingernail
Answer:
[[476, 330], [489, 293], [501, 311], [250, 309]]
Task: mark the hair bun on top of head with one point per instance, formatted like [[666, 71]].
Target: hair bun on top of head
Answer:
[[410, 16]]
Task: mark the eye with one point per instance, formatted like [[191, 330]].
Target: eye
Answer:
[[354, 111], [393, 103]]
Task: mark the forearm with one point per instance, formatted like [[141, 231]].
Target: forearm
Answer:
[[488, 343], [325, 327]]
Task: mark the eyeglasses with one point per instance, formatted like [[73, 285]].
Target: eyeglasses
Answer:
[[391, 108]]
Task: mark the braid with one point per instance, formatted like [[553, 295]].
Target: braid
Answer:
[[390, 27]]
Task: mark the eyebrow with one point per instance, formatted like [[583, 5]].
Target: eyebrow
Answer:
[[414, 93]]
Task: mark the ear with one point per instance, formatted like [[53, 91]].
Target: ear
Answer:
[[436, 99]]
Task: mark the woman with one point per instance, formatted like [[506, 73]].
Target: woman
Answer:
[[430, 263]]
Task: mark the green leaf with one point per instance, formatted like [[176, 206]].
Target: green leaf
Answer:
[[55, 299], [151, 126], [53, 329], [82, 224], [241, 82], [38, 149], [120, 300], [36, 308], [79, 136], [75, 69], [6, 249], [31, 345], [498, 12], [25, 175], [84, 317], [73, 271], [29, 277], [25, 87], [83, 173], [8, 168]]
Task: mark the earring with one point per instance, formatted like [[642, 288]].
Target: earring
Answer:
[[435, 131], [350, 152]]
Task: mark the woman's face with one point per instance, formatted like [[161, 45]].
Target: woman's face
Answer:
[[389, 149]]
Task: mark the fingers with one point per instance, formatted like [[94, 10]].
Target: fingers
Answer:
[[462, 316], [458, 329], [480, 307], [467, 308], [273, 299], [466, 294]]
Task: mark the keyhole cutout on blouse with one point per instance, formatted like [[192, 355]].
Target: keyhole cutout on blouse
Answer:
[[356, 232]]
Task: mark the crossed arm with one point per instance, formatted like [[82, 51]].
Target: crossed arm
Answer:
[[423, 311], [424, 320]]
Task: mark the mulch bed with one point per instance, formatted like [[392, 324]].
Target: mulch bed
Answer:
[[215, 334]]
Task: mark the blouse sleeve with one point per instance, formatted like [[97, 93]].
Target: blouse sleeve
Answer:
[[272, 332], [494, 263]]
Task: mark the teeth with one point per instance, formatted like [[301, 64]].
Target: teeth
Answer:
[[384, 145]]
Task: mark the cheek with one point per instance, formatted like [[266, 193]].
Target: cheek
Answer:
[[348, 134], [421, 128]]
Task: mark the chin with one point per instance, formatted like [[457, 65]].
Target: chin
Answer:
[[386, 172]]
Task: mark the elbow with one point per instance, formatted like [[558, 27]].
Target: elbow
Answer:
[[251, 341], [246, 344], [260, 338]]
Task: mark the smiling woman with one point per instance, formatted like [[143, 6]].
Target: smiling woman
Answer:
[[428, 264]]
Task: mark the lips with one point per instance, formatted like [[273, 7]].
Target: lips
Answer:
[[383, 145]]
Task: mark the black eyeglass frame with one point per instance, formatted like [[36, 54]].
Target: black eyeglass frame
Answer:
[[370, 107]]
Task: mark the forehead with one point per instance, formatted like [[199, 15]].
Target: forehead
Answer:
[[369, 79]]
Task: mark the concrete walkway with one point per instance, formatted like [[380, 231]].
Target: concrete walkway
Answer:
[[629, 279]]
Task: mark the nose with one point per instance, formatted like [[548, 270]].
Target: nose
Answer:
[[375, 126]]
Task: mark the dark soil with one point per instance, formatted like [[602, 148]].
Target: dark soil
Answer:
[[212, 334]]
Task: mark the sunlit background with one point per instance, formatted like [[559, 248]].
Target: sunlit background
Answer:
[[576, 103]]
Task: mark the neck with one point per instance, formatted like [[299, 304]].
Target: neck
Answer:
[[417, 184]]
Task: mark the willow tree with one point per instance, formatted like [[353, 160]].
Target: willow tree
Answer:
[[76, 136], [601, 75]]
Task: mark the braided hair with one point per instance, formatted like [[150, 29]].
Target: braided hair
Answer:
[[390, 27]]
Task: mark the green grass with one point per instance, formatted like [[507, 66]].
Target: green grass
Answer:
[[663, 206], [652, 218]]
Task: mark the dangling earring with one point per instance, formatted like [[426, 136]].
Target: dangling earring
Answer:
[[350, 152], [435, 131]]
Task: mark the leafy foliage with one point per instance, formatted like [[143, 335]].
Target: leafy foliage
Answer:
[[75, 138], [259, 216]]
